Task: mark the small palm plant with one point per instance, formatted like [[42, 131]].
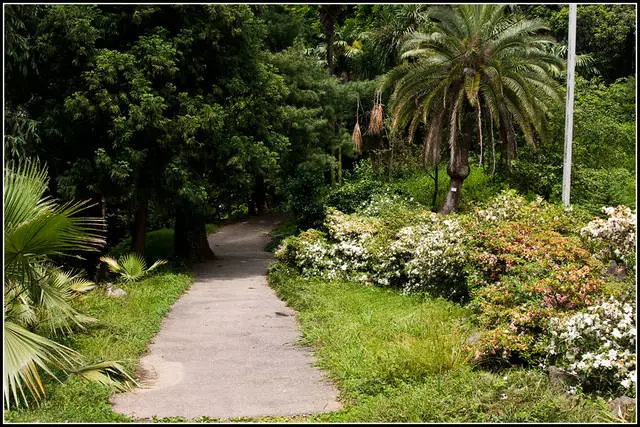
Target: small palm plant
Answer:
[[130, 267], [38, 294]]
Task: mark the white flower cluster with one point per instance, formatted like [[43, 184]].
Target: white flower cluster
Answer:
[[386, 202], [599, 344], [618, 233], [505, 206], [344, 256], [434, 254], [428, 256]]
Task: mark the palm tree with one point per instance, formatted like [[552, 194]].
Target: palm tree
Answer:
[[37, 293], [479, 64]]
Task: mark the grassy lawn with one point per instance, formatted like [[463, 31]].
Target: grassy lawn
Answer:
[[124, 328], [403, 358]]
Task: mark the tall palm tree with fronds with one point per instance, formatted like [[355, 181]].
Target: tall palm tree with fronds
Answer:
[[38, 294], [479, 68]]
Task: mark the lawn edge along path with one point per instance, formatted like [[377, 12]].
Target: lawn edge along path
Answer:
[[229, 346]]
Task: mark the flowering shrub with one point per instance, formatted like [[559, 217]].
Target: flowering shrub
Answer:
[[345, 252], [522, 264], [386, 204], [510, 206], [432, 256], [615, 237], [428, 256], [598, 345], [523, 308]]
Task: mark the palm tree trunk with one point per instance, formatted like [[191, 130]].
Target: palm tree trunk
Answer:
[[458, 169], [328, 15]]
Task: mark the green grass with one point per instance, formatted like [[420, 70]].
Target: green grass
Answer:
[[158, 244], [399, 358], [478, 186], [286, 228], [212, 228]]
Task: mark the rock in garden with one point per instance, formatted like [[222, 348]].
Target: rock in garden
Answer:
[[474, 337], [622, 407], [114, 292], [619, 272], [559, 376]]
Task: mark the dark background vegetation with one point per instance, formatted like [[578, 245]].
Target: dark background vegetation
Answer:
[[181, 115]]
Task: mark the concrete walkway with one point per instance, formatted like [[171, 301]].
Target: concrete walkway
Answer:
[[228, 346]]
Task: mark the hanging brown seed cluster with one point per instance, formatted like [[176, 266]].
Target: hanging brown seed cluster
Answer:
[[357, 136], [375, 121]]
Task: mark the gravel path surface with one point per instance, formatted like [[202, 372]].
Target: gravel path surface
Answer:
[[228, 346]]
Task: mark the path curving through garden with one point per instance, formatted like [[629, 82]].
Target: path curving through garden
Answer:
[[228, 347]]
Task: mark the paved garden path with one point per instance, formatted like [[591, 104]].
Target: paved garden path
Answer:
[[228, 347]]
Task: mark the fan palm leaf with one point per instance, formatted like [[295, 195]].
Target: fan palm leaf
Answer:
[[38, 294], [130, 267]]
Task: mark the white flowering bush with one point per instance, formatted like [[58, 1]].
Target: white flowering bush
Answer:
[[345, 253], [505, 206], [387, 204], [598, 345], [428, 256], [615, 236], [511, 206]]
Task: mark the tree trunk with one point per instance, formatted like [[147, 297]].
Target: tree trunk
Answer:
[[328, 15], [190, 237], [339, 165], [435, 188], [139, 226], [458, 170], [333, 172], [260, 196], [330, 37]]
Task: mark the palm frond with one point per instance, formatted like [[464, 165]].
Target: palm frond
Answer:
[[25, 352], [157, 264], [133, 266], [111, 374], [111, 263]]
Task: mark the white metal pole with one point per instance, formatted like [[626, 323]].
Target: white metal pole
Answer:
[[568, 124]]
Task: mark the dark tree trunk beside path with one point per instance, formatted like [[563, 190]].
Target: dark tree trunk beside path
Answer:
[[190, 237]]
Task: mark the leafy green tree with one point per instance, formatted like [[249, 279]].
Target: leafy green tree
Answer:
[[604, 149], [37, 293], [607, 32], [480, 64]]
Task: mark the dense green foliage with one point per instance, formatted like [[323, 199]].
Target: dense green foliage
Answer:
[[179, 115], [167, 119]]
